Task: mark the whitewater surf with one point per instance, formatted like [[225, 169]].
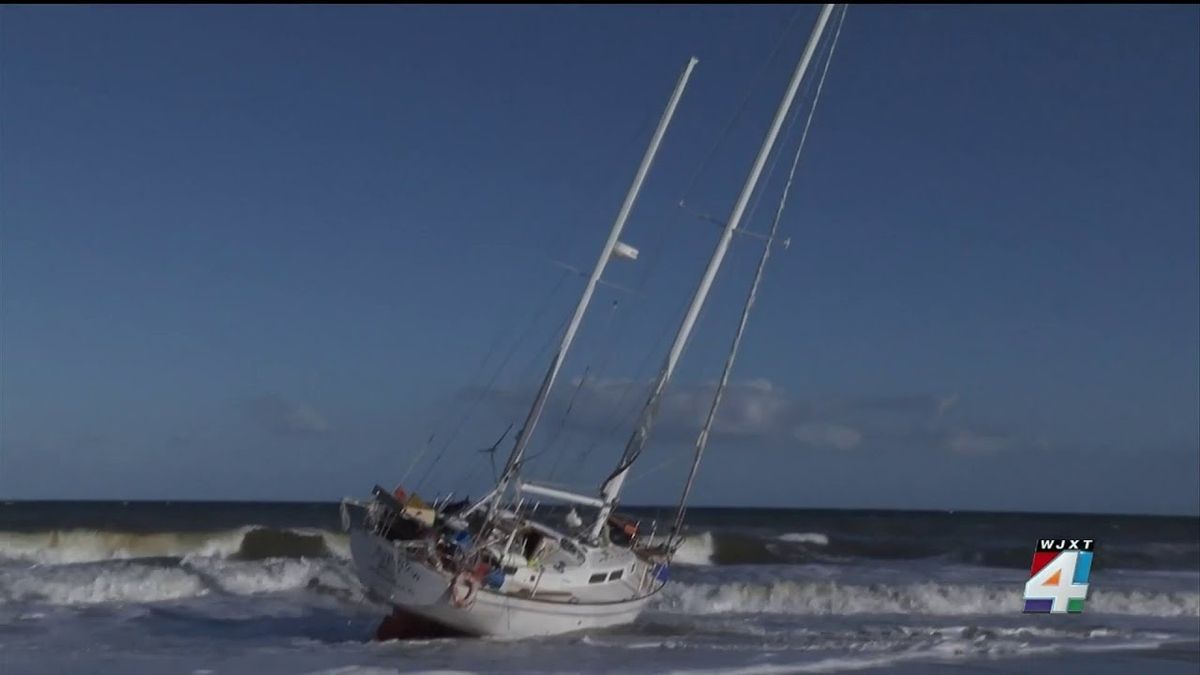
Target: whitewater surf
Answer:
[[133, 590]]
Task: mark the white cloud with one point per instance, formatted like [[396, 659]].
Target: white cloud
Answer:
[[760, 413], [286, 418], [967, 442], [945, 403], [303, 419], [833, 436]]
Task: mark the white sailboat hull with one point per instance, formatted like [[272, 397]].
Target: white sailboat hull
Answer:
[[491, 567], [416, 588]]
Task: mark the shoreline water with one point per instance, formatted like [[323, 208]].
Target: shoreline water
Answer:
[[268, 588]]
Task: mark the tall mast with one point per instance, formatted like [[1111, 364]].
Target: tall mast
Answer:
[[539, 403], [611, 489], [751, 296]]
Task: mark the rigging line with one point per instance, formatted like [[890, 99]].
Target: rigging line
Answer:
[[462, 241], [605, 355], [750, 89], [651, 265], [701, 441], [654, 265], [622, 420], [538, 358], [417, 458], [491, 453], [533, 364], [749, 216], [562, 423], [570, 238], [635, 383], [645, 124], [755, 201], [444, 418], [541, 310], [795, 116], [635, 407], [674, 459], [655, 253], [567, 413], [655, 258], [628, 458], [541, 353], [805, 89]]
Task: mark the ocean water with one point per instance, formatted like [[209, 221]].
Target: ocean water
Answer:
[[267, 588]]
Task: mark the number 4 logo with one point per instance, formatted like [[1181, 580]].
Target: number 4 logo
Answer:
[[1059, 582]]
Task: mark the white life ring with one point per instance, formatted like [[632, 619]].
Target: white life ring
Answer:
[[463, 589]]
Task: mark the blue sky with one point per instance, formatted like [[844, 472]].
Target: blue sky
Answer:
[[263, 252]]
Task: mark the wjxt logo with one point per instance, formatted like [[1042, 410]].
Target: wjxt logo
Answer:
[[1065, 544], [1058, 579]]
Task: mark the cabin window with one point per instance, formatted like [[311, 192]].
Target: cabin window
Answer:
[[596, 578], [615, 575]]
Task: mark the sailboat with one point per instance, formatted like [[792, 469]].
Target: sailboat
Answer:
[[497, 568]]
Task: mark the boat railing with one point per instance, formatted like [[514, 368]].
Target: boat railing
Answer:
[[376, 517], [344, 508], [563, 495]]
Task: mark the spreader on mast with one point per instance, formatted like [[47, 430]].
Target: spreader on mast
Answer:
[[513, 572], [612, 246], [751, 296], [611, 488]]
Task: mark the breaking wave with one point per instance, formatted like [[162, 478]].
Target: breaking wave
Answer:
[[165, 579], [750, 547], [696, 549], [931, 598], [56, 547], [805, 538], [705, 547], [159, 580]]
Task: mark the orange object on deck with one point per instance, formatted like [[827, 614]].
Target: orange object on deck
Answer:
[[627, 526]]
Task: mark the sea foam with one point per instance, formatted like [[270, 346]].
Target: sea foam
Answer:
[[929, 598], [250, 542]]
